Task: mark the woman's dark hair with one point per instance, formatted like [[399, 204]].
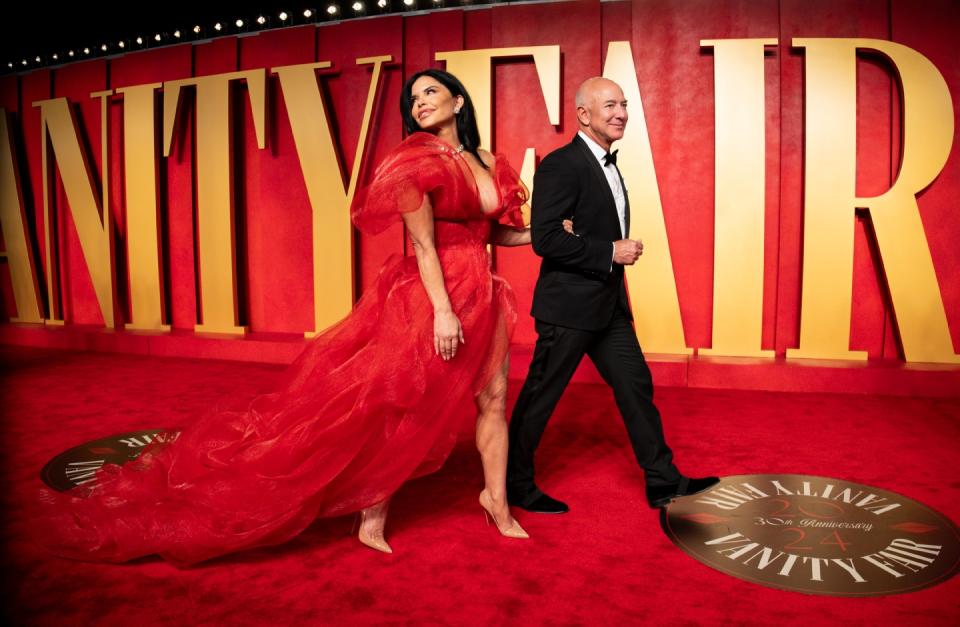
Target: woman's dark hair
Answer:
[[466, 120]]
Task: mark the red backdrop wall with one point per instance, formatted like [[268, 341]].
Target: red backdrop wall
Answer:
[[676, 82]]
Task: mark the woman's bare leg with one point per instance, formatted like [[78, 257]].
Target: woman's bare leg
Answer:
[[492, 442]]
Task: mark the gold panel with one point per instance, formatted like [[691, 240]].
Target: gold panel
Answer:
[[214, 168], [142, 212], [13, 222], [526, 177], [93, 224], [656, 309], [330, 202], [830, 202], [475, 70], [740, 176]]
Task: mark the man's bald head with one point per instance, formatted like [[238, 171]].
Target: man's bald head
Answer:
[[601, 110], [589, 88]]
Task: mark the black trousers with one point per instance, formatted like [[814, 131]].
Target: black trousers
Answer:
[[616, 353]]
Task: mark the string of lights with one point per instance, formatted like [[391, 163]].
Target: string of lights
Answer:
[[183, 28]]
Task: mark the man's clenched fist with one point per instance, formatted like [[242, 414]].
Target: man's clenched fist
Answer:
[[627, 251]]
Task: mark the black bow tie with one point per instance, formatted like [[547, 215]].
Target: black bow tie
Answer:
[[610, 157]]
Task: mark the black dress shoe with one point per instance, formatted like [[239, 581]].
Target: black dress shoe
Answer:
[[661, 495], [540, 503]]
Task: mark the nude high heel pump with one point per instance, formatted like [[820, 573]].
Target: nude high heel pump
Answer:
[[375, 541], [513, 531]]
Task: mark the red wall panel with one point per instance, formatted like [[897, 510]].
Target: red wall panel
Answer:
[[426, 35], [34, 86], [9, 101], [9, 93], [477, 29], [675, 76], [931, 28], [175, 181], [847, 18], [676, 84], [76, 82], [520, 114], [347, 86], [276, 209]]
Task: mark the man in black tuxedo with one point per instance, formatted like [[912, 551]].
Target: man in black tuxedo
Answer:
[[580, 303]]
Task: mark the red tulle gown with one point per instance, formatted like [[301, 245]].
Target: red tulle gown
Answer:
[[367, 406]]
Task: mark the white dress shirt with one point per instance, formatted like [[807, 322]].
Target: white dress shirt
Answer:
[[613, 180]]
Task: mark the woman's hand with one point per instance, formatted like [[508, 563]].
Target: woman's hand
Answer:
[[447, 334], [568, 226]]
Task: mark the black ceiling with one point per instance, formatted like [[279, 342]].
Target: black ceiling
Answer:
[[43, 29]]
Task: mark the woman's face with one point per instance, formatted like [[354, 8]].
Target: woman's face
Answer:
[[432, 105]]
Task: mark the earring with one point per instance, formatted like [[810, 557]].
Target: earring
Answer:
[[456, 111]]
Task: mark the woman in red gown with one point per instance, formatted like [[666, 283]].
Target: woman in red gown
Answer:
[[374, 401]]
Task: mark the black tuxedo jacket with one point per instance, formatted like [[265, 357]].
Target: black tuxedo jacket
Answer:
[[578, 286]]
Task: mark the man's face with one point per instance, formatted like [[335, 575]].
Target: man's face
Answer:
[[604, 111]]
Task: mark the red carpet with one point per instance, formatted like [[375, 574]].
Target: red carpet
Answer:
[[607, 562]]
